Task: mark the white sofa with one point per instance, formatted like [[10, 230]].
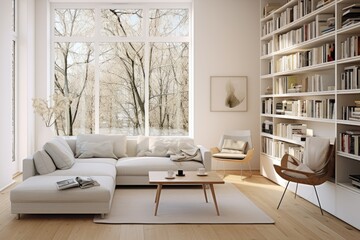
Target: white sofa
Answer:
[[38, 192]]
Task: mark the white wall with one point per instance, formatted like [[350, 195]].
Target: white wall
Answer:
[[26, 78], [226, 35], [6, 89]]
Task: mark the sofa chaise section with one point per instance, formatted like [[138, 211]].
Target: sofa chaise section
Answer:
[[39, 195]]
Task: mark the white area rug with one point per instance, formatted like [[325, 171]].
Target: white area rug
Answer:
[[183, 205]]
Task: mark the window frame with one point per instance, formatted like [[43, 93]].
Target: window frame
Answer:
[[98, 38], [14, 78]]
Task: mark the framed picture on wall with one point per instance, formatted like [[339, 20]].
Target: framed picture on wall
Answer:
[[228, 94]]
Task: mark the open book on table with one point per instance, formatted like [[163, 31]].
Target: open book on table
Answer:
[[82, 182]]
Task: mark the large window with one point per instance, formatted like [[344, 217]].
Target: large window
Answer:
[[124, 68]]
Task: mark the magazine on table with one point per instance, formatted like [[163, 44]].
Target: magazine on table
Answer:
[[82, 182]]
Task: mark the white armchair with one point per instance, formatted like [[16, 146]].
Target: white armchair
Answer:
[[234, 146]]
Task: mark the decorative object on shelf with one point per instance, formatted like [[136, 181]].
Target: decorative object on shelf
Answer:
[[50, 112], [228, 94]]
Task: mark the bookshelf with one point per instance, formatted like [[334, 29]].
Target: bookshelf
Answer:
[[310, 77]]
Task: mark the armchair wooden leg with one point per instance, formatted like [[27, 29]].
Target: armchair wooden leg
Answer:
[[283, 194], [318, 200]]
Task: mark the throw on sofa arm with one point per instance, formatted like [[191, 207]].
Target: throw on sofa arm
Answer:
[[206, 156]]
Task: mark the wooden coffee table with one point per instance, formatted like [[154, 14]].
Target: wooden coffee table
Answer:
[[190, 178]]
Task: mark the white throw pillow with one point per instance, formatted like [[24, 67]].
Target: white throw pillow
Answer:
[[102, 150], [142, 146], [60, 152], [233, 146], [118, 141], [246, 139], [43, 163]]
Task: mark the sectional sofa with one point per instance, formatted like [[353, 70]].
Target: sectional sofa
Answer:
[[110, 159]]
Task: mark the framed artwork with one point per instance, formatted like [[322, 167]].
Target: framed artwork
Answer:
[[228, 94]]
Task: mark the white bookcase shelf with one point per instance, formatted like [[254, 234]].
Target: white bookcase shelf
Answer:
[[278, 29]]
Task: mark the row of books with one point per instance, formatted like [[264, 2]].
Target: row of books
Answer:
[[267, 48], [308, 31], [295, 12], [324, 108], [318, 55], [311, 83], [267, 28], [349, 142], [351, 14], [278, 148], [350, 77], [291, 14], [350, 47], [294, 131]]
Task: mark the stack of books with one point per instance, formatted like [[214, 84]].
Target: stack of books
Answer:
[[351, 14], [352, 113], [355, 180]]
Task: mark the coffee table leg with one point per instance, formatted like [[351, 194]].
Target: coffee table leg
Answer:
[[204, 187], [214, 197], [157, 199]]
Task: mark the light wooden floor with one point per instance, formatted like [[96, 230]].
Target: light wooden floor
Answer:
[[296, 219]]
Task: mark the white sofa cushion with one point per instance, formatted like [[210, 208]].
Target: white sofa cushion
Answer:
[[140, 166], [87, 169], [60, 152], [93, 150], [111, 161], [118, 141], [43, 162], [161, 146]]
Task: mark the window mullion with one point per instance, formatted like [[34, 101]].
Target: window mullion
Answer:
[[97, 70], [147, 70]]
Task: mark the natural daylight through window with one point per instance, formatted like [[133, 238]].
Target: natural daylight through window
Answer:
[[124, 68]]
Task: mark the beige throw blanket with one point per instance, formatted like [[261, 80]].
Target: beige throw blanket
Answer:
[[187, 154]]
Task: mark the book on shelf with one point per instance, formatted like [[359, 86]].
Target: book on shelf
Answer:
[[350, 77], [355, 180], [351, 21], [354, 5], [322, 24], [355, 177], [81, 181], [355, 183], [350, 12]]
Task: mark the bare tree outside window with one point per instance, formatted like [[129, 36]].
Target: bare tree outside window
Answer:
[[123, 65]]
